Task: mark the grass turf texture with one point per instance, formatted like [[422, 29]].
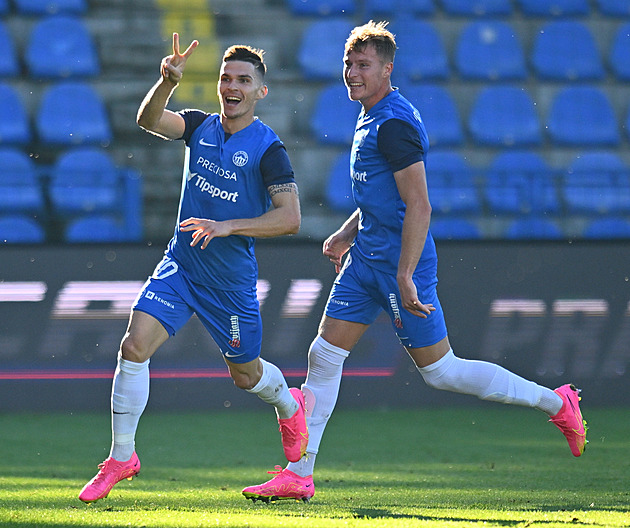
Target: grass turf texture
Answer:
[[479, 466]]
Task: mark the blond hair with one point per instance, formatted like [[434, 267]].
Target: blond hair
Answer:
[[375, 34]]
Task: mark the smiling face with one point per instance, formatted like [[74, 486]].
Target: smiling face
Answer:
[[366, 75], [240, 87]]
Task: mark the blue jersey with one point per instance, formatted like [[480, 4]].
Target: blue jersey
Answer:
[[222, 180], [374, 189]]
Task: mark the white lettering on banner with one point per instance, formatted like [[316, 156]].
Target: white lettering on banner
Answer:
[[95, 300]]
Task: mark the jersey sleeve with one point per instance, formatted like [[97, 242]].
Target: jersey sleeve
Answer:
[[275, 166], [192, 119], [399, 142]]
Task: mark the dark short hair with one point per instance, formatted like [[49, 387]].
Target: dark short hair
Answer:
[[374, 34], [247, 54]]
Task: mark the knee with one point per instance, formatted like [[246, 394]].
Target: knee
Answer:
[[132, 349], [243, 380]]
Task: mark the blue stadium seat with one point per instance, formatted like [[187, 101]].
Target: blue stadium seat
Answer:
[[607, 228], [566, 51], [454, 229], [339, 185], [477, 7], [61, 47], [335, 116], [9, 65], [413, 35], [321, 7], [84, 180], [582, 116], [439, 113], [619, 57], [597, 183], [15, 125], [520, 182], [4, 7], [72, 113], [533, 228], [50, 7], [20, 187], [504, 116], [490, 50], [614, 8], [20, 229], [398, 7], [451, 183], [558, 8], [95, 229], [321, 49]]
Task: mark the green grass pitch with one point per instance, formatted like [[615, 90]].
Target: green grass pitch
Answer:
[[485, 465]]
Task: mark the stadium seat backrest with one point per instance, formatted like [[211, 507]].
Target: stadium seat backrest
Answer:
[[15, 125], [320, 56], [619, 58], [9, 65], [533, 228], [73, 113], [438, 111], [490, 51], [477, 7], [84, 180], [566, 51], [322, 7], [452, 188], [520, 182], [504, 116], [454, 229], [20, 229], [334, 117], [614, 8], [377, 8], [20, 189], [582, 115], [95, 228], [61, 47], [50, 7], [557, 8], [607, 228], [413, 35]]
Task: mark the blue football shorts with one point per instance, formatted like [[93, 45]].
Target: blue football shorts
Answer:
[[360, 292], [231, 317]]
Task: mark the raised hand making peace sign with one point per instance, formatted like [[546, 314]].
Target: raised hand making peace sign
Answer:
[[172, 67]]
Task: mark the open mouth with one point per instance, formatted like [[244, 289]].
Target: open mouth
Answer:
[[232, 100]]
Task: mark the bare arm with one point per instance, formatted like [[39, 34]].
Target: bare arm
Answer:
[[283, 219], [152, 114], [338, 244], [412, 186]]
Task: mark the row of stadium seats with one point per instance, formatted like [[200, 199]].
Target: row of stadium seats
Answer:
[[82, 182], [69, 113], [516, 183], [500, 116], [488, 50], [43, 7], [59, 47], [533, 8]]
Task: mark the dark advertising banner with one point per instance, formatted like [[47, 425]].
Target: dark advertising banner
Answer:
[[552, 312]]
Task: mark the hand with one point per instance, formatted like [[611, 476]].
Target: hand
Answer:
[[204, 229], [335, 247], [172, 67], [409, 299]]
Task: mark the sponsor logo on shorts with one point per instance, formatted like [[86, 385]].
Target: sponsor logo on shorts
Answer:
[[339, 301], [393, 302], [235, 333], [152, 296]]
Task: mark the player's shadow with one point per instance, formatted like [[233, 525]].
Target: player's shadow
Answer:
[[381, 513]]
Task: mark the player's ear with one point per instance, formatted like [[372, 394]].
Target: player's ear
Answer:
[[262, 92]]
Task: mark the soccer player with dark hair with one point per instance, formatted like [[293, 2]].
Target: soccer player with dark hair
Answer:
[[391, 265], [237, 185]]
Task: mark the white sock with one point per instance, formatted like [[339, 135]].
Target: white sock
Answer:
[[490, 382], [273, 389], [130, 393], [325, 367]]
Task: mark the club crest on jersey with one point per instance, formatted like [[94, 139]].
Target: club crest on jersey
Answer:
[[240, 158], [235, 332]]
